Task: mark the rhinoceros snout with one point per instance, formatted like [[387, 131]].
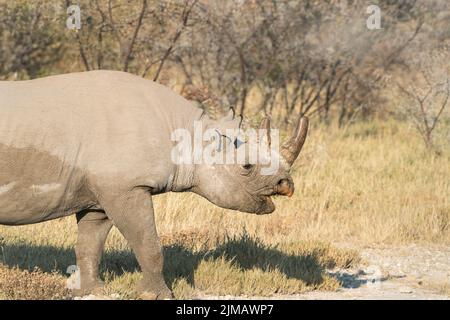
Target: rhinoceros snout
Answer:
[[285, 187]]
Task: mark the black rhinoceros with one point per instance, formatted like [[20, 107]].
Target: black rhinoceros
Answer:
[[98, 144]]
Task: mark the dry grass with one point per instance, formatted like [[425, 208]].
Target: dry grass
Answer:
[[439, 287], [35, 285], [194, 264], [372, 183], [444, 288]]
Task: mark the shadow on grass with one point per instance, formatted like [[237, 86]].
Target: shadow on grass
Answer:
[[180, 261], [245, 253]]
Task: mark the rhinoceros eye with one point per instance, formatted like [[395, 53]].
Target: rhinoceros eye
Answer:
[[247, 166]]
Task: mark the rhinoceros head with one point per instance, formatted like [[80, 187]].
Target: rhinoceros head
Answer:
[[247, 186]]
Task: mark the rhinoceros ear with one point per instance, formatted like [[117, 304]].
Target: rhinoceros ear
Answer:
[[265, 125], [230, 115]]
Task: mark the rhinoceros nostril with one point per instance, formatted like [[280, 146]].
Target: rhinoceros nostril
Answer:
[[285, 187], [282, 182]]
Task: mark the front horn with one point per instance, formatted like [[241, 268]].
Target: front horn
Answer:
[[291, 148]]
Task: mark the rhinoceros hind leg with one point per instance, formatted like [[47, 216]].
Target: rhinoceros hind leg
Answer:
[[132, 213], [93, 228]]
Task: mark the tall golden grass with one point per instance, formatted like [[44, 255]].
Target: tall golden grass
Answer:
[[371, 183], [368, 184]]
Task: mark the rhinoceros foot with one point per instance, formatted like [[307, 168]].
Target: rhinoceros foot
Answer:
[[159, 292], [153, 296], [96, 288]]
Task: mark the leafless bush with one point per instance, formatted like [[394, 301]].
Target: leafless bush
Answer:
[[427, 101], [135, 36], [309, 57], [30, 42], [281, 58]]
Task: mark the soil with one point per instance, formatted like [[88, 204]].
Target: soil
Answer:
[[402, 272]]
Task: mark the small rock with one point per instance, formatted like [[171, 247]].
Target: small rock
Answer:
[[360, 272], [406, 290], [93, 297]]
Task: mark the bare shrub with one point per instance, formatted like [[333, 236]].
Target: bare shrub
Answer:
[[426, 95], [137, 37], [16, 284], [30, 41]]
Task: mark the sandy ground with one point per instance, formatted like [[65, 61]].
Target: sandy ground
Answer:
[[404, 272]]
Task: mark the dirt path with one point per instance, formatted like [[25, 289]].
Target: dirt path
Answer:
[[404, 272]]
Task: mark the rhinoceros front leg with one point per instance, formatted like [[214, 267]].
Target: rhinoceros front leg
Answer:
[[93, 228], [132, 213]]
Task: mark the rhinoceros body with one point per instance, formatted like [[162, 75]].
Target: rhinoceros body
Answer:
[[98, 144], [62, 136]]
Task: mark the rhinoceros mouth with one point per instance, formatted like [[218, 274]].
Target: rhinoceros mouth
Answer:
[[268, 199], [267, 205]]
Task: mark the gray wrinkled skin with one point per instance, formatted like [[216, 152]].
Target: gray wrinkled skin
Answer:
[[97, 144]]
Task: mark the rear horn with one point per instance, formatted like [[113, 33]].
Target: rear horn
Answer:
[[265, 124]]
